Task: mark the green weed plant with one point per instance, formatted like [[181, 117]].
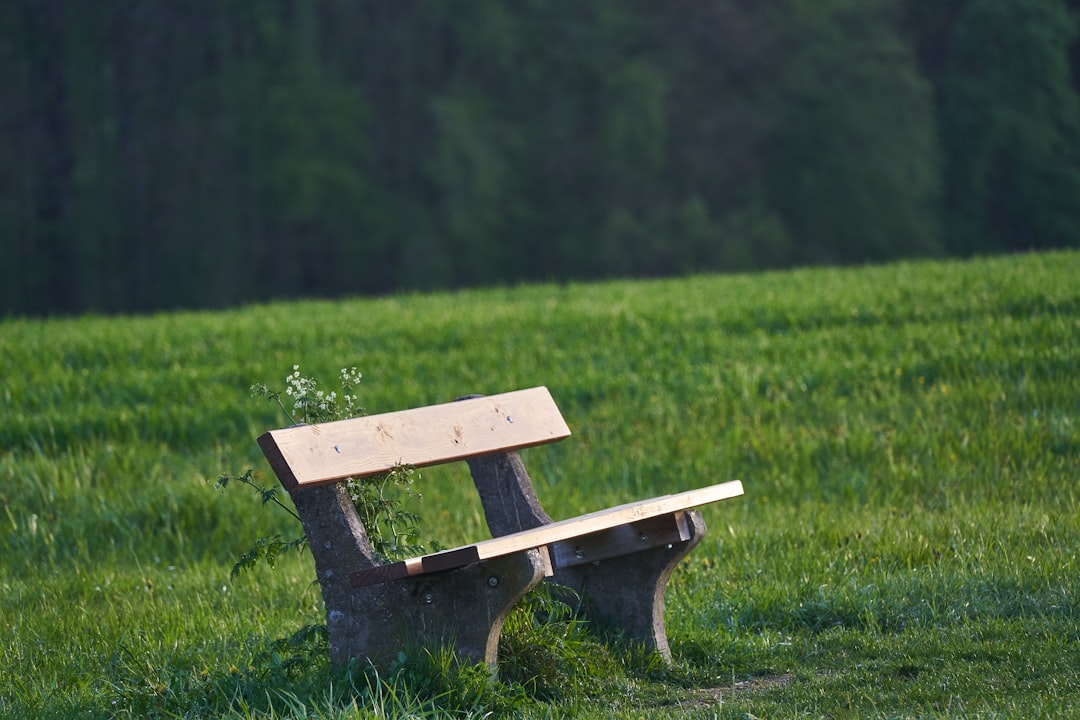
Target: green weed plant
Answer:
[[392, 529]]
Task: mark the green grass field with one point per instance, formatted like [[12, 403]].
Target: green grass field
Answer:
[[907, 545]]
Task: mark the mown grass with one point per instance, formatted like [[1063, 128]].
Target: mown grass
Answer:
[[907, 546]]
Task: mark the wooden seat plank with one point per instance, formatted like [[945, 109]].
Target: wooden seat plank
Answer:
[[546, 534], [309, 455]]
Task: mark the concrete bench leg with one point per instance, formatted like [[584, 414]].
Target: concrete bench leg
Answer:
[[506, 494], [620, 585], [462, 608], [626, 592]]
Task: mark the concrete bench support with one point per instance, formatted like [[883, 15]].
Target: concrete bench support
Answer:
[[619, 576], [464, 608]]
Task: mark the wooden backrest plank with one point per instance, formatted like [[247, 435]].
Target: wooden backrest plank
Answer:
[[307, 455], [555, 532]]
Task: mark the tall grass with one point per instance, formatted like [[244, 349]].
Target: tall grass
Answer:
[[907, 545]]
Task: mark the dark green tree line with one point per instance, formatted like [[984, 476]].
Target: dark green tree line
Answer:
[[198, 154]]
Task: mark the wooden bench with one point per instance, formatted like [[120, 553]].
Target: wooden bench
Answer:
[[617, 560]]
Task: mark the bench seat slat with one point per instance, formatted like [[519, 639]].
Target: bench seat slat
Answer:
[[308, 455], [551, 533]]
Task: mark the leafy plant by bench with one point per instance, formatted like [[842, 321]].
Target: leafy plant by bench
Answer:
[[392, 529]]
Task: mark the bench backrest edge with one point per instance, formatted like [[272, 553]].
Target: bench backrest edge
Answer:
[[309, 455]]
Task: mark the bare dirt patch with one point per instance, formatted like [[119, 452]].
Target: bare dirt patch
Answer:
[[701, 698]]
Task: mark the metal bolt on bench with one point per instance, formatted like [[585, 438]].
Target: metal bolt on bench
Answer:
[[618, 560]]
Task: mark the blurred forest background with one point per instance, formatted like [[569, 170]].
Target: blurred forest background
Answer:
[[204, 153]]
